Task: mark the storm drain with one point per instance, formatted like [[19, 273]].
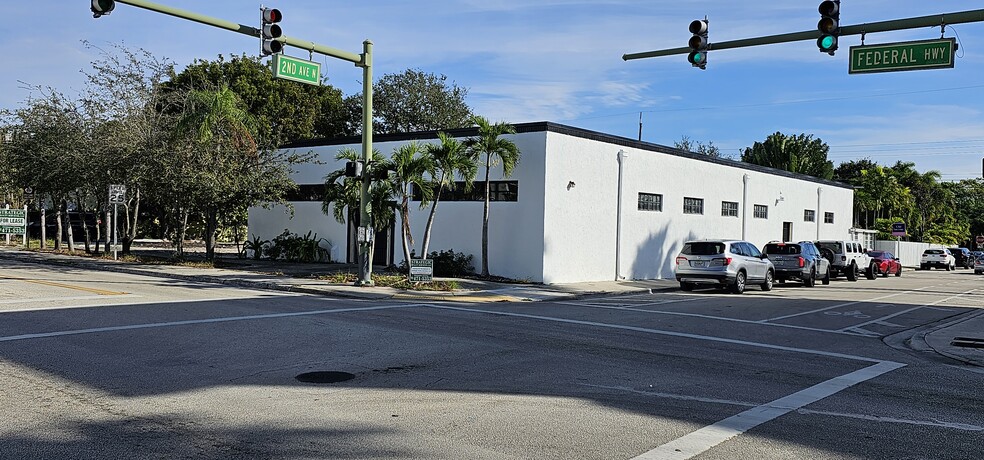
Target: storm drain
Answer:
[[968, 342], [324, 377]]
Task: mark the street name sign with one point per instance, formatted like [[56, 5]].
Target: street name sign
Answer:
[[294, 69], [893, 57], [421, 270], [13, 221]]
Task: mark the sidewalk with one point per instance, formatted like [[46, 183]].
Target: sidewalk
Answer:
[[297, 277]]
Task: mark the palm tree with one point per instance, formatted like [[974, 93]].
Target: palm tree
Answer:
[[216, 123], [497, 151], [408, 166], [342, 194], [451, 158]]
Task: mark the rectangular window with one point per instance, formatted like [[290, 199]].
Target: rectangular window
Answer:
[[650, 202], [693, 205], [809, 215], [502, 190], [729, 209], [761, 211], [828, 217]]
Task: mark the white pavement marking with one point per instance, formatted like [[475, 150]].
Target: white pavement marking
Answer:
[[729, 402], [839, 306], [706, 438], [663, 332], [194, 321], [718, 318], [877, 320]]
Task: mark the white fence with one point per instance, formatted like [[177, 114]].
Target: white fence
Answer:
[[909, 253]]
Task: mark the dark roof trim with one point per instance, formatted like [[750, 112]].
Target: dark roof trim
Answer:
[[545, 126]]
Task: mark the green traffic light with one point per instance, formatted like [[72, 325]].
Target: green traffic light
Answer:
[[827, 43]]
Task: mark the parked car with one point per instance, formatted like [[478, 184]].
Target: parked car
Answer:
[[725, 263], [886, 263], [847, 258], [979, 265], [937, 258], [798, 261], [961, 257]]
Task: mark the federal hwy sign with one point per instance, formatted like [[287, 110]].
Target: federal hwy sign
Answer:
[[893, 57]]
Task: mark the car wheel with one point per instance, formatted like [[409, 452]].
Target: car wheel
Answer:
[[885, 273], [826, 279], [922, 267], [739, 286], [769, 280], [871, 271], [811, 280], [685, 286], [948, 267], [899, 271], [852, 272]]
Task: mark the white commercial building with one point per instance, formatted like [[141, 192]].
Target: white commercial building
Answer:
[[585, 206]]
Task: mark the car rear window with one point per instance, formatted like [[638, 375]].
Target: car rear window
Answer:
[[773, 248], [933, 251], [833, 247], [876, 254], [703, 248]]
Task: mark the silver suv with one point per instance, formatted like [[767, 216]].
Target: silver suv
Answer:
[[726, 263]]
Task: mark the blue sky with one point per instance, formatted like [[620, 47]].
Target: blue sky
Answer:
[[561, 61]]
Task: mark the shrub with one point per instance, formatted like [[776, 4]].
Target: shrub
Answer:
[[295, 248], [447, 264]]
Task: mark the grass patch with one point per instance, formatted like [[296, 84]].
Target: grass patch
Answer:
[[397, 281]]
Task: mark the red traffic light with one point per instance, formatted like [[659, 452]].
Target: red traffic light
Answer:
[[272, 15]]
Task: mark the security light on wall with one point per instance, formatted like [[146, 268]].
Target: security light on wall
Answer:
[[570, 185]]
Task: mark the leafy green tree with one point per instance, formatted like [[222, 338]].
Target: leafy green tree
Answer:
[[849, 172], [799, 154], [692, 146], [409, 167], [497, 151], [880, 194], [284, 111], [451, 159], [412, 101]]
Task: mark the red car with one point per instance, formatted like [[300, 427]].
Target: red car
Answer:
[[886, 263]]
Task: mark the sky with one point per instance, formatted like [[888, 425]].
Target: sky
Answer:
[[561, 61]]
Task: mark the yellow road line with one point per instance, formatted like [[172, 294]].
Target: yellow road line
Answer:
[[66, 286]]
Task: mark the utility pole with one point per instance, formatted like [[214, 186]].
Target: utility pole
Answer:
[[364, 60]]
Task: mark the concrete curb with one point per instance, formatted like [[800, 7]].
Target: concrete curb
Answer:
[[944, 350]]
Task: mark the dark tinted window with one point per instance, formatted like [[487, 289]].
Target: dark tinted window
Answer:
[[751, 250], [877, 254], [739, 248], [773, 248], [933, 251], [832, 246], [701, 248]]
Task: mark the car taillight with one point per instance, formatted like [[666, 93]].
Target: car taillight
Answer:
[[680, 259], [802, 262], [721, 262]]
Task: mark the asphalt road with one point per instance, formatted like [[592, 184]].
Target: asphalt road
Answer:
[[108, 365]]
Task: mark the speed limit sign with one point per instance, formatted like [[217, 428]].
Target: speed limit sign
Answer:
[[117, 194]]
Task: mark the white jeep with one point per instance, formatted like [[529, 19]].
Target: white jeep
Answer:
[[848, 258]]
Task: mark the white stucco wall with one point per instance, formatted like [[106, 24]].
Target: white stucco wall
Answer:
[[580, 224], [564, 229]]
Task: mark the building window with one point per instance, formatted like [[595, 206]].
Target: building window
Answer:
[[828, 217], [499, 190], [729, 209], [650, 202], [809, 215], [693, 205], [761, 211]]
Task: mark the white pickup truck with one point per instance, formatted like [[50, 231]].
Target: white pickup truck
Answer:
[[848, 258]]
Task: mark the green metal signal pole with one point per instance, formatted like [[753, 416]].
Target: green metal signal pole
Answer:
[[363, 60], [936, 20]]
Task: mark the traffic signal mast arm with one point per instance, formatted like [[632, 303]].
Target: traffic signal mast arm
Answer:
[[354, 58], [935, 20]]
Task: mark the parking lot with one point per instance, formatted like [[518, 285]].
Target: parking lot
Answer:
[[110, 365]]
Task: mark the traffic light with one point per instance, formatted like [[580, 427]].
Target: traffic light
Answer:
[[102, 7], [698, 43], [353, 169], [829, 26], [271, 31]]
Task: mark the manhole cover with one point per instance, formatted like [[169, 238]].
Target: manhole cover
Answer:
[[325, 377]]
